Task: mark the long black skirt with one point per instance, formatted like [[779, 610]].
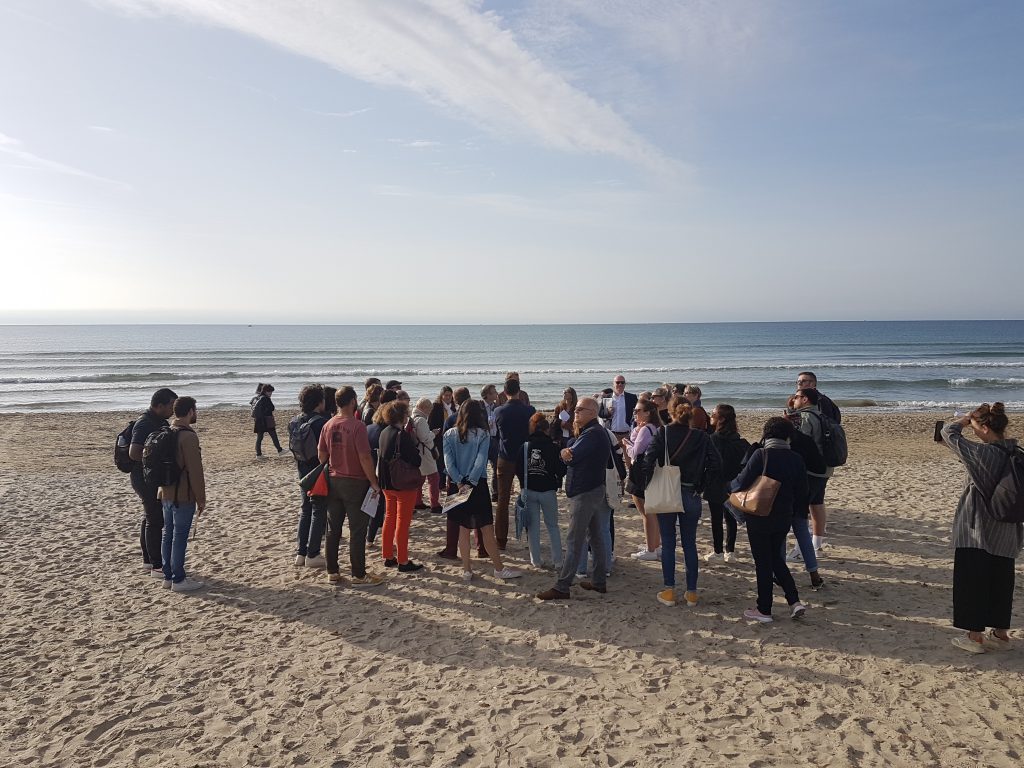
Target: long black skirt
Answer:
[[982, 590]]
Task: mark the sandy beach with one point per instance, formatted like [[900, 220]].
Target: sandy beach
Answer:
[[268, 665]]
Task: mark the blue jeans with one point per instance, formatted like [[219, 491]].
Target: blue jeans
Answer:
[[312, 518], [177, 522], [537, 502], [802, 531], [689, 518]]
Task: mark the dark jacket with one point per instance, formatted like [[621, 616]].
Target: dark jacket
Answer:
[[698, 461], [786, 466], [830, 409], [407, 450], [437, 416], [513, 422], [590, 454], [263, 418], [545, 466], [732, 450], [808, 451], [605, 412]]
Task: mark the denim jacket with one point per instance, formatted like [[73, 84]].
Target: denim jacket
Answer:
[[466, 461]]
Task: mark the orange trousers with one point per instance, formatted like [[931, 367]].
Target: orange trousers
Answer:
[[398, 509]]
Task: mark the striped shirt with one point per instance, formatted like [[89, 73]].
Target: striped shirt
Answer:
[[973, 527]]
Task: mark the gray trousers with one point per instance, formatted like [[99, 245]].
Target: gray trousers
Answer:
[[345, 497], [588, 513]]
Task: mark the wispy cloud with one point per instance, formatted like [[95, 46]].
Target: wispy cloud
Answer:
[[101, 129], [351, 113], [449, 52], [11, 147], [416, 143]]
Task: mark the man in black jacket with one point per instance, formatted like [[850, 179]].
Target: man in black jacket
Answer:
[[313, 517], [586, 459], [161, 406], [807, 380]]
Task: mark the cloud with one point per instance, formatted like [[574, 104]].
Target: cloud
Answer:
[[448, 52], [101, 129], [11, 147], [351, 113]]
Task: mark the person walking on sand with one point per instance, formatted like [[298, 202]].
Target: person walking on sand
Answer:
[[263, 419], [767, 535], [984, 548], [465, 456], [161, 407], [345, 447], [303, 438], [184, 501], [587, 459]]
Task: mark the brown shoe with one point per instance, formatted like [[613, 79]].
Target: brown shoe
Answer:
[[553, 594], [592, 587]]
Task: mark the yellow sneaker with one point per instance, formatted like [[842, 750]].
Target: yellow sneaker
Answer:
[[667, 597], [692, 598]]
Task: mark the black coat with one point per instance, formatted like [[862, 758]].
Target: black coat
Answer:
[[698, 461], [786, 466], [732, 450], [407, 450]]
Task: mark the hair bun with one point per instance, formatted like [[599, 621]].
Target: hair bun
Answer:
[[997, 408]]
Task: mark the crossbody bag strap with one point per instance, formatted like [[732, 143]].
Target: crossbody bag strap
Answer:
[[677, 450], [526, 465]]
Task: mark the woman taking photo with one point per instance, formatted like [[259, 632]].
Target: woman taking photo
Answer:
[[767, 535], [396, 443], [691, 451], [645, 414], [732, 449], [540, 477], [465, 456], [984, 548]]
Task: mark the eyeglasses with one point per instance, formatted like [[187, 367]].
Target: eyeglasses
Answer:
[[805, 381]]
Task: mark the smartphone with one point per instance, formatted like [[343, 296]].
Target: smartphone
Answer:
[[938, 430]]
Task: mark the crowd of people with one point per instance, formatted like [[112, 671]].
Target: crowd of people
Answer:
[[383, 458]]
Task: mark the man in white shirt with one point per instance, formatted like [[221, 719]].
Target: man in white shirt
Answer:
[[617, 410]]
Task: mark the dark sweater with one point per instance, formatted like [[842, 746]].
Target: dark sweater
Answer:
[[590, 454], [545, 465], [732, 450], [407, 450], [513, 422], [786, 466], [696, 461]]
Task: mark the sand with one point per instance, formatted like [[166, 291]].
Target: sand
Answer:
[[270, 666]]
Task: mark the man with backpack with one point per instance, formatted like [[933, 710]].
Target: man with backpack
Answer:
[[808, 380], [173, 457], [814, 424], [161, 406], [303, 438]]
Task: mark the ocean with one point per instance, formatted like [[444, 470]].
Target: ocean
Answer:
[[938, 365]]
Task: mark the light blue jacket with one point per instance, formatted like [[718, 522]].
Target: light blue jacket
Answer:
[[469, 459]]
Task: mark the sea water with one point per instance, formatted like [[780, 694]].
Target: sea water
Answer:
[[861, 365]]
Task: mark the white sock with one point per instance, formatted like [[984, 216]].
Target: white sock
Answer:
[[817, 541]]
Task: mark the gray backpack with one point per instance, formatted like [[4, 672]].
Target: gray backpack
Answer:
[[1006, 504]]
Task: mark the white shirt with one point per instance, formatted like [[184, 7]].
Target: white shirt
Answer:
[[620, 420]]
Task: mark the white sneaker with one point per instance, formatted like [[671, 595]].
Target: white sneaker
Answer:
[[146, 567], [300, 560], [186, 586], [730, 557], [645, 555], [156, 573], [507, 573], [261, 457], [799, 609], [639, 552], [467, 576], [316, 562], [713, 557], [167, 583], [794, 555]]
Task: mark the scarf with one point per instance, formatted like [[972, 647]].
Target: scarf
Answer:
[[774, 442]]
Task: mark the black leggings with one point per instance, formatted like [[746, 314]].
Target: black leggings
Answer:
[[718, 513], [259, 441], [982, 590]]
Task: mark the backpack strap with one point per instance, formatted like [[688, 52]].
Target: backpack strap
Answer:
[[677, 450]]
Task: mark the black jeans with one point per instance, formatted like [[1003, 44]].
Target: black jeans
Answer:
[[259, 441], [767, 547], [718, 514], [152, 530], [344, 500]]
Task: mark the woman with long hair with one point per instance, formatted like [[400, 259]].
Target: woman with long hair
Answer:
[[647, 424], [690, 450], [397, 443], [984, 548], [732, 450], [465, 455], [561, 424], [371, 402]]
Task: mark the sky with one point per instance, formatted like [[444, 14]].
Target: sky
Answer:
[[545, 161]]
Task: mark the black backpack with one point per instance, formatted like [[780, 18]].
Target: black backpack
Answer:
[[124, 440], [302, 441], [160, 458], [256, 406], [833, 441], [1006, 504]]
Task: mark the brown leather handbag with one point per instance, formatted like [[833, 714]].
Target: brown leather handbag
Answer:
[[757, 500]]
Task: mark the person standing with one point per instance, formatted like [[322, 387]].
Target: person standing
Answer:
[[513, 424], [804, 446], [617, 410], [426, 443], [805, 406], [698, 417], [807, 380], [184, 501], [370, 404], [345, 447], [984, 548], [161, 407], [689, 449], [396, 442], [767, 535], [647, 425], [587, 459], [263, 420], [732, 450], [489, 399], [465, 451], [561, 424], [541, 474], [303, 438]]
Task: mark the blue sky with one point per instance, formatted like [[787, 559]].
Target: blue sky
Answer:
[[491, 162]]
